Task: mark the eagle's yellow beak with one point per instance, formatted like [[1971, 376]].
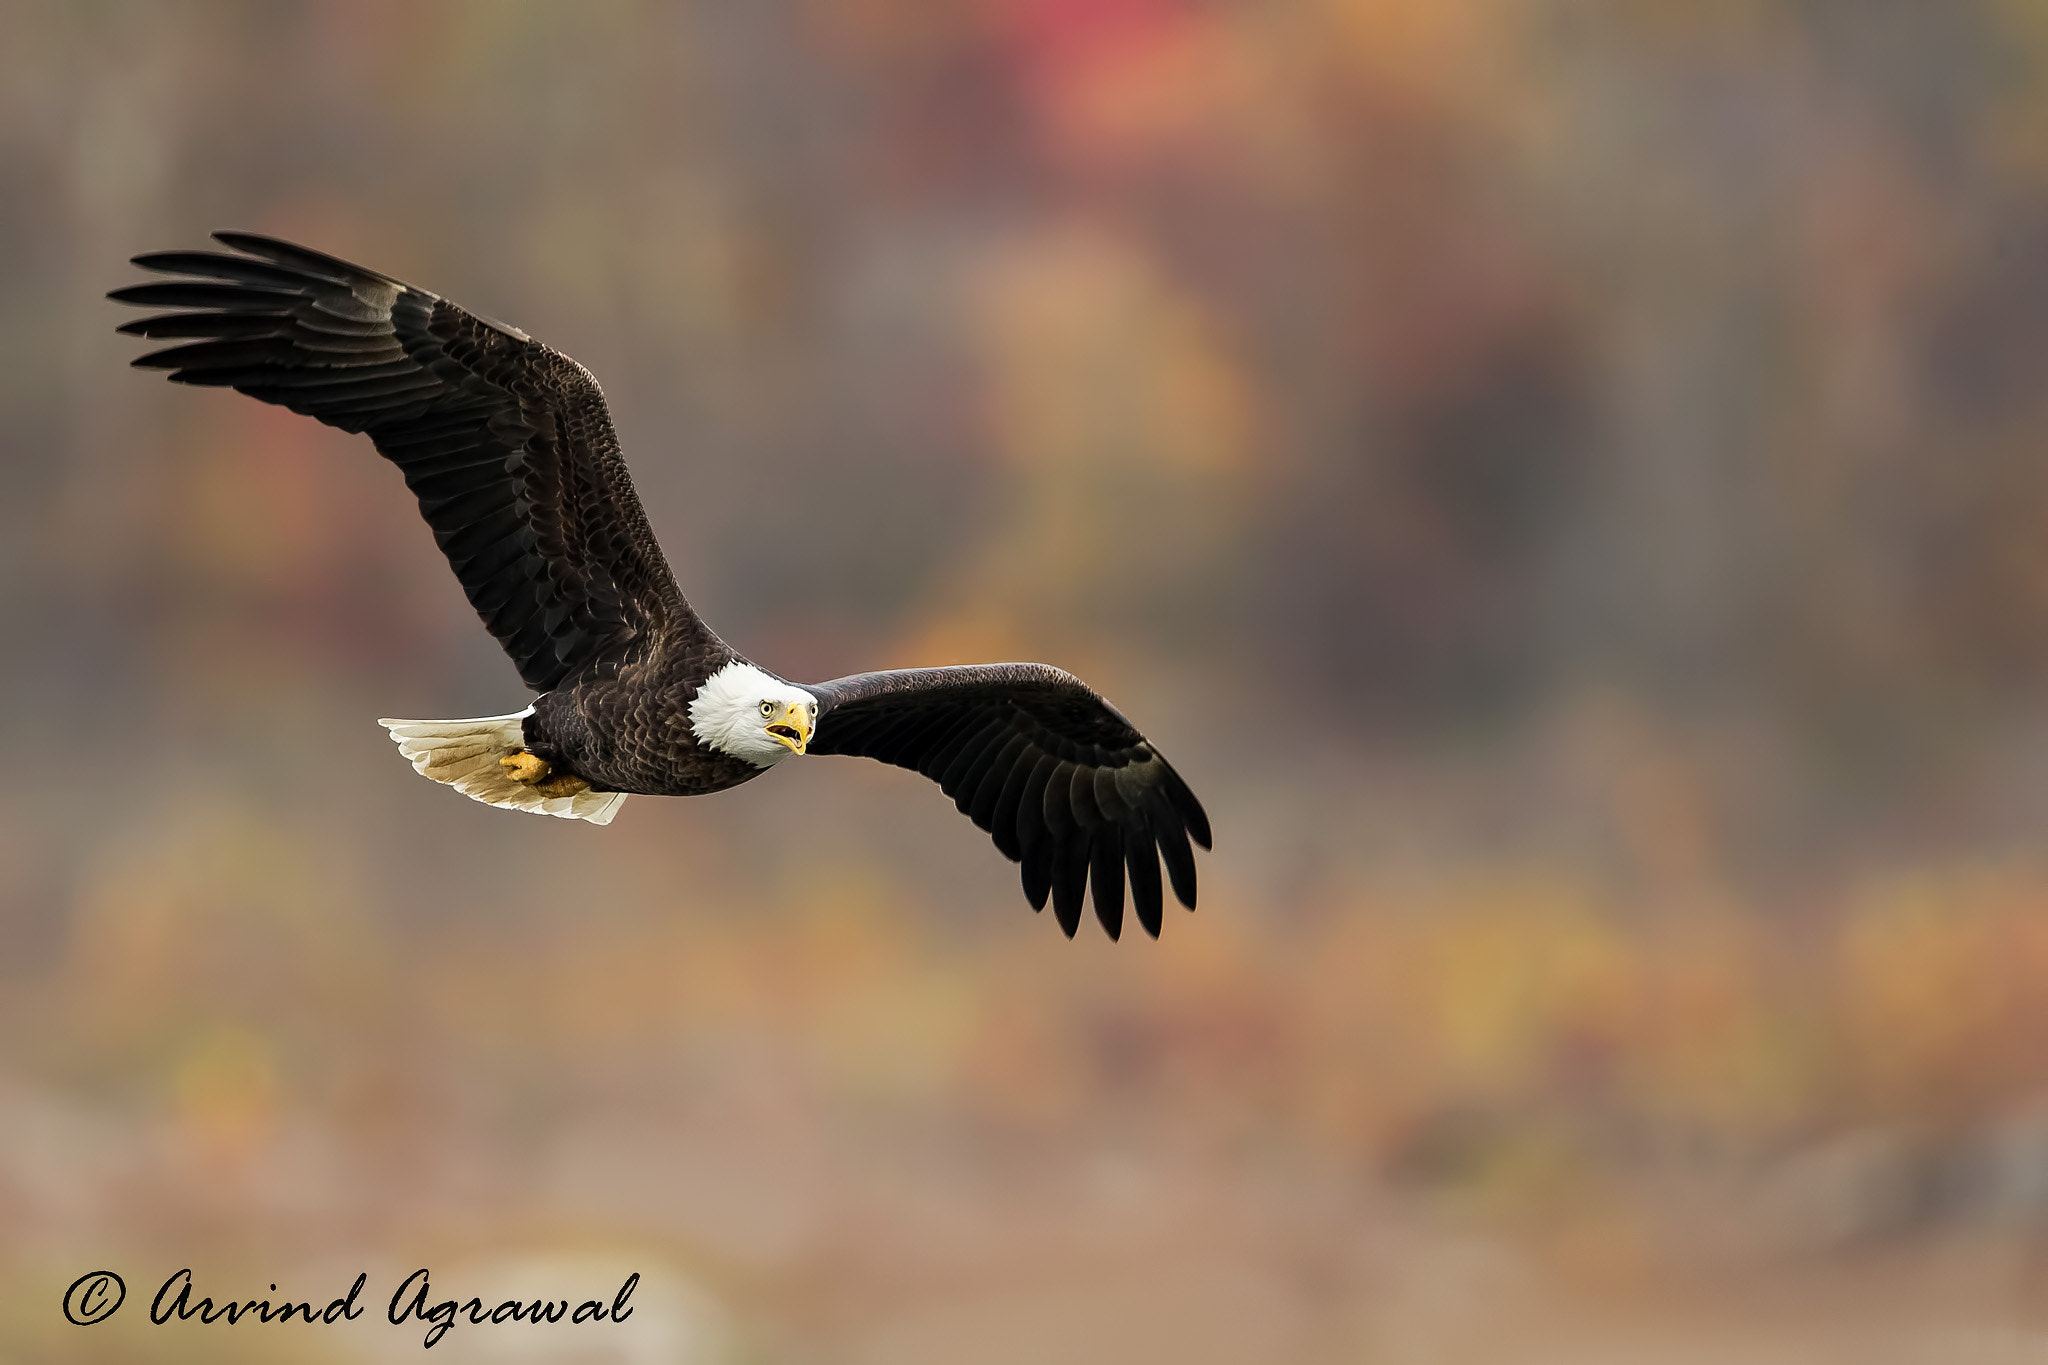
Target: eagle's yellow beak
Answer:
[[793, 729]]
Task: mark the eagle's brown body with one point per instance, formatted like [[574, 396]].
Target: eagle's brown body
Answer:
[[510, 450], [631, 732]]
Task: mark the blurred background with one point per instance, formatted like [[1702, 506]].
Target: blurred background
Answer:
[[1565, 480]]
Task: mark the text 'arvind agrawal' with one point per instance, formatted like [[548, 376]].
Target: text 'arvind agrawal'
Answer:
[[96, 1296]]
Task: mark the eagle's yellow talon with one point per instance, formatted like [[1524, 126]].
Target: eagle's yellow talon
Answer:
[[533, 771], [528, 769]]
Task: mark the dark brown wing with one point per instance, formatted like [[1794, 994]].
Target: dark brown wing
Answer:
[[1061, 782], [506, 443]]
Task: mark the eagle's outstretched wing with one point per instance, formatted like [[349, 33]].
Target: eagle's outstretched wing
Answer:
[[1061, 782], [506, 443]]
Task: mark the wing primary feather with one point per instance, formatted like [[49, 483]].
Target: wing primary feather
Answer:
[[1106, 868], [1069, 881], [206, 325], [305, 258], [1185, 803], [214, 265], [1037, 874], [1142, 855], [1179, 860], [217, 354], [231, 298]]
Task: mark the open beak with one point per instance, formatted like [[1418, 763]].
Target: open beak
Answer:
[[793, 730]]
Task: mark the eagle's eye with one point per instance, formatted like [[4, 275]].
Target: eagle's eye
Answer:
[[767, 708]]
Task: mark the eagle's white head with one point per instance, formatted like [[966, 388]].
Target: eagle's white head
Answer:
[[749, 714]]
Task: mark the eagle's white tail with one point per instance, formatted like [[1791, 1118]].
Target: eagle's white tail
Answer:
[[465, 754]]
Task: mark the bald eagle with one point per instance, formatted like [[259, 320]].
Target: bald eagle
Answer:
[[509, 448]]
